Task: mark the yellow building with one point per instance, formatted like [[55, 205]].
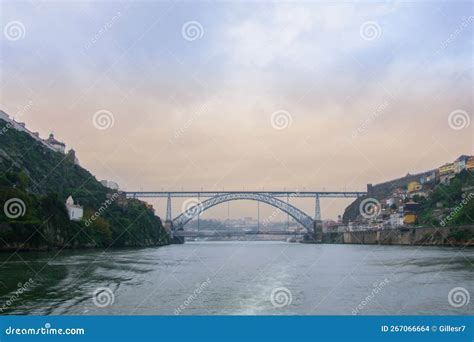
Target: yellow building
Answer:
[[470, 164], [414, 186], [446, 169], [409, 219]]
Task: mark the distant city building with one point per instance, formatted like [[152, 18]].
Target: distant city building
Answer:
[[72, 156], [396, 200], [428, 177], [20, 126], [51, 142], [110, 184], [414, 186], [396, 220], [447, 172], [447, 168], [446, 178], [470, 164], [460, 163], [55, 144], [410, 212], [75, 211]]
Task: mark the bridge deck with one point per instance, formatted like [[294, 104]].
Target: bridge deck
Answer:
[[184, 233], [293, 194]]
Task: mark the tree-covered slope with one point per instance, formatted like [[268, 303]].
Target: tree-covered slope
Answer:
[[450, 204], [42, 179]]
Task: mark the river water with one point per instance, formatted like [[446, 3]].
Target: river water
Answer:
[[239, 278]]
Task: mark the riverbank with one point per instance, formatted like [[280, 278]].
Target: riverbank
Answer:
[[415, 236], [20, 248]]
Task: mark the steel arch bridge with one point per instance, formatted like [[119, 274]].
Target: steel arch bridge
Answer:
[[272, 198], [301, 217]]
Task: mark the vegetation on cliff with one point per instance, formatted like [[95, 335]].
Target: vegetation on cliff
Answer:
[[450, 204], [42, 179]]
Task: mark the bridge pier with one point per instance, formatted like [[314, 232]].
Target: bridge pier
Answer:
[[168, 209], [317, 209], [316, 236], [318, 231], [178, 240]]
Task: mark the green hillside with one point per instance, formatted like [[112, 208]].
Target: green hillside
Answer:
[[42, 180], [450, 204], [446, 204]]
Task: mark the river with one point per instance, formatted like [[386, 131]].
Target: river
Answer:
[[238, 278]]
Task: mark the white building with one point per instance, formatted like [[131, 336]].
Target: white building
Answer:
[[110, 184], [396, 220], [55, 144], [20, 126], [75, 211]]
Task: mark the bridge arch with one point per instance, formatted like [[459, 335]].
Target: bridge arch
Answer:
[[301, 217]]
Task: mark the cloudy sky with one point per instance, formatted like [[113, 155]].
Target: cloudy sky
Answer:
[[313, 95]]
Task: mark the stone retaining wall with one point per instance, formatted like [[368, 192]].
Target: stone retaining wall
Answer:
[[435, 236]]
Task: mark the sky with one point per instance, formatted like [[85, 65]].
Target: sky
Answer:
[[244, 95]]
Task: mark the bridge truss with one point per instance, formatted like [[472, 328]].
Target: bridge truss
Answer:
[[291, 210]]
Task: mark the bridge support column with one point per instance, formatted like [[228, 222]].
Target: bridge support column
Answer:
[[318, 231], [168, 209], [316, 235], [317, 209], [318, 223], [199, 213], [287, 215], [258, 216]]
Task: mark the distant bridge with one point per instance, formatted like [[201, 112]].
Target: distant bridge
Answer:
[[284, 193], [196, 206], [221, 233]]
